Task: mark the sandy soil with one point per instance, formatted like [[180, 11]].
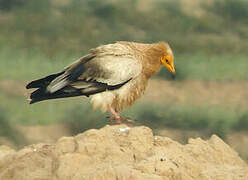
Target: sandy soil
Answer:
[[121, 152], [51, 133]]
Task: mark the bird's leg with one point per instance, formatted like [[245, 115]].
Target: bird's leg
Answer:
[[115, 116]]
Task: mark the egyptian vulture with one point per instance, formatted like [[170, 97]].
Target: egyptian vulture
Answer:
[[112, 75]]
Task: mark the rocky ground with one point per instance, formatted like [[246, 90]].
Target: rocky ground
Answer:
[[121, 152]]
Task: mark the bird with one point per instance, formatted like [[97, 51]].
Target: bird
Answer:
[[113, 76]]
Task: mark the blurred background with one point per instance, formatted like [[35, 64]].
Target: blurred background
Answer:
[[209, 39]]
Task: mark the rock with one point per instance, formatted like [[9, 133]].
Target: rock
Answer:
[[121, 152]]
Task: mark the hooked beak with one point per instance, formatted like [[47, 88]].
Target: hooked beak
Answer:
[[171, 68]]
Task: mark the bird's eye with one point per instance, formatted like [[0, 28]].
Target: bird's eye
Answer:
[[167, 61]]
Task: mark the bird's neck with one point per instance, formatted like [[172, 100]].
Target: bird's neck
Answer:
[[149, 54], [151, 61]]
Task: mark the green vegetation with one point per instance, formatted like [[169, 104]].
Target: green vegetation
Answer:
[[8, 130], [209, 67], [74, 26], [27, 66], [215, 119]]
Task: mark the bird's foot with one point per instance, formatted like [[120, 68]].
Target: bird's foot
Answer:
[[119, 120], [115, 116]]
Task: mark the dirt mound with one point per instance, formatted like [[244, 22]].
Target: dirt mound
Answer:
[[120, 152]]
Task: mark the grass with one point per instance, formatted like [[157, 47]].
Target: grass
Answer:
[[208, 67], [232, 9], [215, 119], [79, 25], [26, 66], [8, 130], [19, 111], [81, 117]]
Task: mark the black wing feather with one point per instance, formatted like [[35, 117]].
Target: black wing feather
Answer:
[[94, 87], [43, 82]]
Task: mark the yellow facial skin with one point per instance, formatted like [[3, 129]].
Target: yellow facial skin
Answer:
[[168, 62]]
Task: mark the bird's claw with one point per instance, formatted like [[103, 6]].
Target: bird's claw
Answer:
[[119, 120]]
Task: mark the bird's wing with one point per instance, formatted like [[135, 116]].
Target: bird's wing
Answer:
[[106, 67]]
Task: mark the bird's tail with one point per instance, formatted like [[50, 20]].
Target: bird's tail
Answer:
[[42, 94], [43, 82]]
